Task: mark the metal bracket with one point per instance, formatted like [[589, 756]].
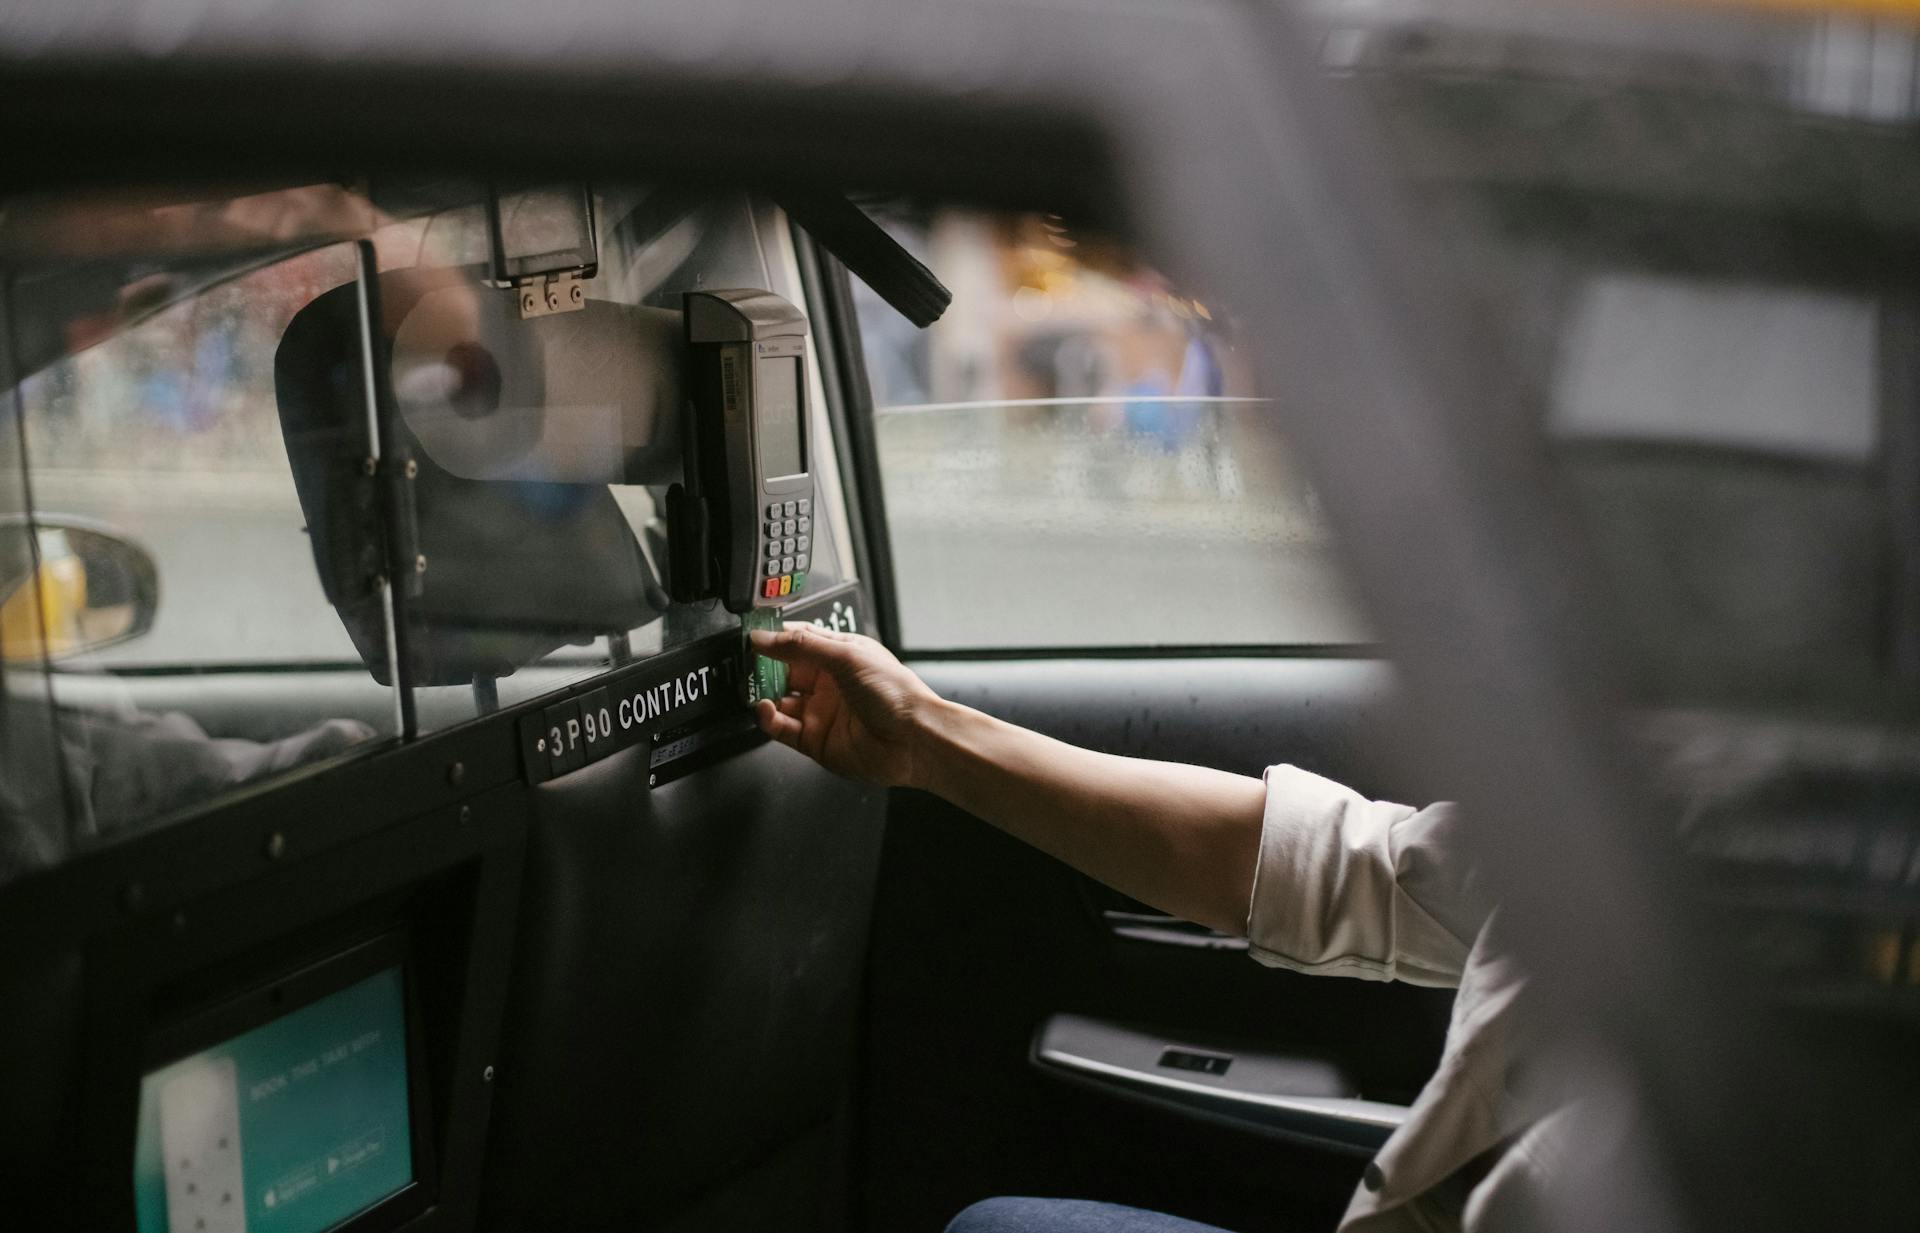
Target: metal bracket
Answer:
[[547, 294]]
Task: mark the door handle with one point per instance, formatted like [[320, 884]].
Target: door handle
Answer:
[[1167, 930], [1301, 1098]]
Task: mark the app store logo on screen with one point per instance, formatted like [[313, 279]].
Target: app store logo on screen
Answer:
[[291, 1127]]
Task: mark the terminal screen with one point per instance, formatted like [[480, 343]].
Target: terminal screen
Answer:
[[291, 1127], [780, 403]]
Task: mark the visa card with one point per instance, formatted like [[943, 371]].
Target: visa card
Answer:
[[764, 678]]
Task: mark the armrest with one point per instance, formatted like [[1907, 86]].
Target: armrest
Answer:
[[1303, 1098]]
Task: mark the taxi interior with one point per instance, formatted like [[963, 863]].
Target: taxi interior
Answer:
[[296, 811]]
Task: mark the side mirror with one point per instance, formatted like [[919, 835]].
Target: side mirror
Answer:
[[68, 587]]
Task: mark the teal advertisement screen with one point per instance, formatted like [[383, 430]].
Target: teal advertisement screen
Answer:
[[291, 1127]]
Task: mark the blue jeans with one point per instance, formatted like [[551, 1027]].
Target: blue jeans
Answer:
[[1017, 1215]]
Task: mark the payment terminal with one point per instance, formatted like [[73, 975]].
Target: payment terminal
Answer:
[[742, 525]]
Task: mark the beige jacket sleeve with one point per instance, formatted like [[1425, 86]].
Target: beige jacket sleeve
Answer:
[[1352, 887]]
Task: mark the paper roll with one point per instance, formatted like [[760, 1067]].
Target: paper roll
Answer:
[[586, 397]]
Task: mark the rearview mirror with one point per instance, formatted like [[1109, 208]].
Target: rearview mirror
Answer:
[[67, 587]]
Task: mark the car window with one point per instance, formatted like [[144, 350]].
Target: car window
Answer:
[[168, 432], [1075, 455]]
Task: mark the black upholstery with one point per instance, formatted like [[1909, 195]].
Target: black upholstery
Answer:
[[687, 986]]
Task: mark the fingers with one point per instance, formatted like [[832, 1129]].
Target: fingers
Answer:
[[802, 676], [830, 634], [800, 643], [776, 723]]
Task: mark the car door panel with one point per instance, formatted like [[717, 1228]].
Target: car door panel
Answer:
[[984, 949], [1309, 1099]]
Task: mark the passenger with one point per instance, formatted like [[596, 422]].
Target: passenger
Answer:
[[1316, 877], [124, 770], [108, 769]]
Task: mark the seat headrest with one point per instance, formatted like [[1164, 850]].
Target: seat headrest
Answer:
[[515, 568]]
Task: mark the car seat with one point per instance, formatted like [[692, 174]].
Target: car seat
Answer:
[[513, 568]]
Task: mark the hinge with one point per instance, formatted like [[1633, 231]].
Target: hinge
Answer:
[[547, 294]]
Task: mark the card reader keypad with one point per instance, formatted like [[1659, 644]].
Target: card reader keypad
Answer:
[[787, 536]]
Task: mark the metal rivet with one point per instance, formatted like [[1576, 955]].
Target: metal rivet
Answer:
[[456, 773], [420, 565], [370, 466], [413, 469], [553, 299], [652, 780], [541, 744], [276, 846], [133, 897], [486, 1076], [466, 814], [528, 303], [577, 293]]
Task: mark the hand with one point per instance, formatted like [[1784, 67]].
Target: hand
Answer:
[[854, 708]]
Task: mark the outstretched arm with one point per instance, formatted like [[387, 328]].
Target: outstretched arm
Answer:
[[1182, 838]]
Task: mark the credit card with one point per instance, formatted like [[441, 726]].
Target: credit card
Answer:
[[765, 678]]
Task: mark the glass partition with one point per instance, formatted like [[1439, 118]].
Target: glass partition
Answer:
[[166, 621], [214, 555]]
